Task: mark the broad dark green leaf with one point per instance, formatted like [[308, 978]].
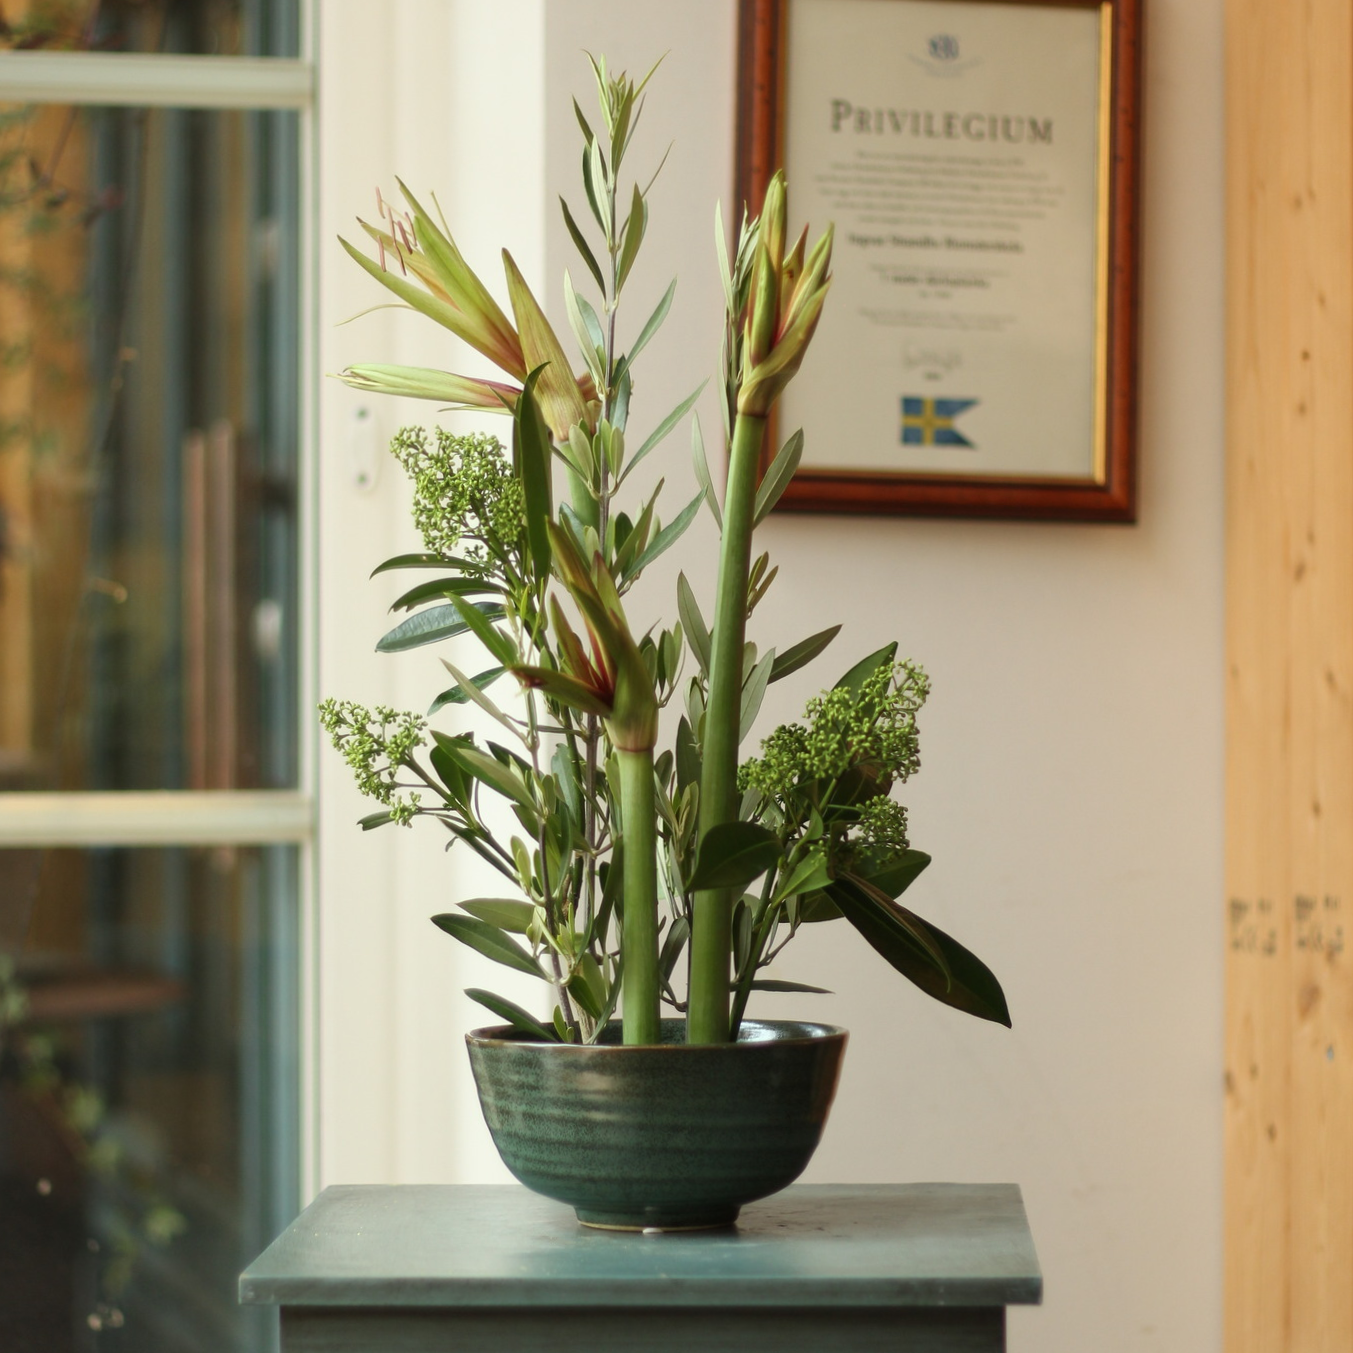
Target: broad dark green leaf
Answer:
[[457, 696], [817, 907], [667, 537], [672, 944], [910, 945], [503, 912], [412, 561], [583, 995], [732, 854], [802, 653], [687, 755], [432, 625], [580, 243], [532, 450], [443, 587], [513, 1014], [488, 940], [855, 678], [895, 876]]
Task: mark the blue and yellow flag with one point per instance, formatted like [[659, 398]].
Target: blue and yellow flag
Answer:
[[930, 422]]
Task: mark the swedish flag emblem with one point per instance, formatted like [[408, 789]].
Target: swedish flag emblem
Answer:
[[930, 422]]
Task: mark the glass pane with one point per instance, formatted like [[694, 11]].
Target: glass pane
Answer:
[[196, 27], [148, 1095], [149, 426]]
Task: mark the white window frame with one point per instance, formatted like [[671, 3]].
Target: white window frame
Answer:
[[198, 817]]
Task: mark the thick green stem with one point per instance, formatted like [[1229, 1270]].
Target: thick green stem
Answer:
[[711, 920], [641, 988]]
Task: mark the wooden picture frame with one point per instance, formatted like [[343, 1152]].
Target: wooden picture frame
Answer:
[[1104, 487]]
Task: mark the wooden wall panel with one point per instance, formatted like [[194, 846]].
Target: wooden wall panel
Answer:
[[1289, 1003]]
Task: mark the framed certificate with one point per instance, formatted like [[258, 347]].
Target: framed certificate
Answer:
[[977, 354]]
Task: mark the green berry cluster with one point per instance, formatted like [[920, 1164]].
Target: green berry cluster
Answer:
[[376, 743], [871, 730], [882, 826], [464, 489]]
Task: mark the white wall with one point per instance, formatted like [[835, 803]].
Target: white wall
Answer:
[[1071, 790]]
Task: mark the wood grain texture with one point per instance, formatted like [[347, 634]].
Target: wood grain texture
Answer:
[[1289, 702]]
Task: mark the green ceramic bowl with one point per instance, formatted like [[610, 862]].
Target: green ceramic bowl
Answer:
[[671, 1136]]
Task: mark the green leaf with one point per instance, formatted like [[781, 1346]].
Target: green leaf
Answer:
[[498, 644], [583, 995], [958, 979], [488, 940], [777, 477], [580, 243], [513, 1014], [672, 945], [587, 330], [504, 912], [899, 873], [808, 876], [663, 428], [486, 769], [532, 449], [687, 755], [443, 587], [753, 693], [635, 226], [430, 626], [667, 537], [775, 984], [474, 693], [802, 653], [697, 632], [458, 695], [650, 328], [702, 474], [413, 561], [732, 854], [855, 678], [376, 819]]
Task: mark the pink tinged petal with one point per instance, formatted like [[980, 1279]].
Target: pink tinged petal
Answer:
[[557, 390]]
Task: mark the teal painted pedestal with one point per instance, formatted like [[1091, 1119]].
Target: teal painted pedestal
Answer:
[[907, 1268]]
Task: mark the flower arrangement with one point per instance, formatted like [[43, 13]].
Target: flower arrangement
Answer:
[[632, 862]]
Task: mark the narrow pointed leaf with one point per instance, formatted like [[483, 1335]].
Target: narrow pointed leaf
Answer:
[[777, 477], [412, 561], [753, 693], [471, 691], [591, 345], [697, 632], [580, 243], [513, 1014], [566, 689], [668, 536], [663, 428], [443, 587], [702, 472], [489, 941], [418, 382], [650, 328], [775, 984], [802, 653], [479, 624], [808, 876], [634, 235], [486, 769], [457, 694]]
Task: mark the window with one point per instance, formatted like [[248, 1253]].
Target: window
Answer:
[[155, 817]]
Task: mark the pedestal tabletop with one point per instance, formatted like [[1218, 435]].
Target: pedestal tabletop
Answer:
[[923, 1266]]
